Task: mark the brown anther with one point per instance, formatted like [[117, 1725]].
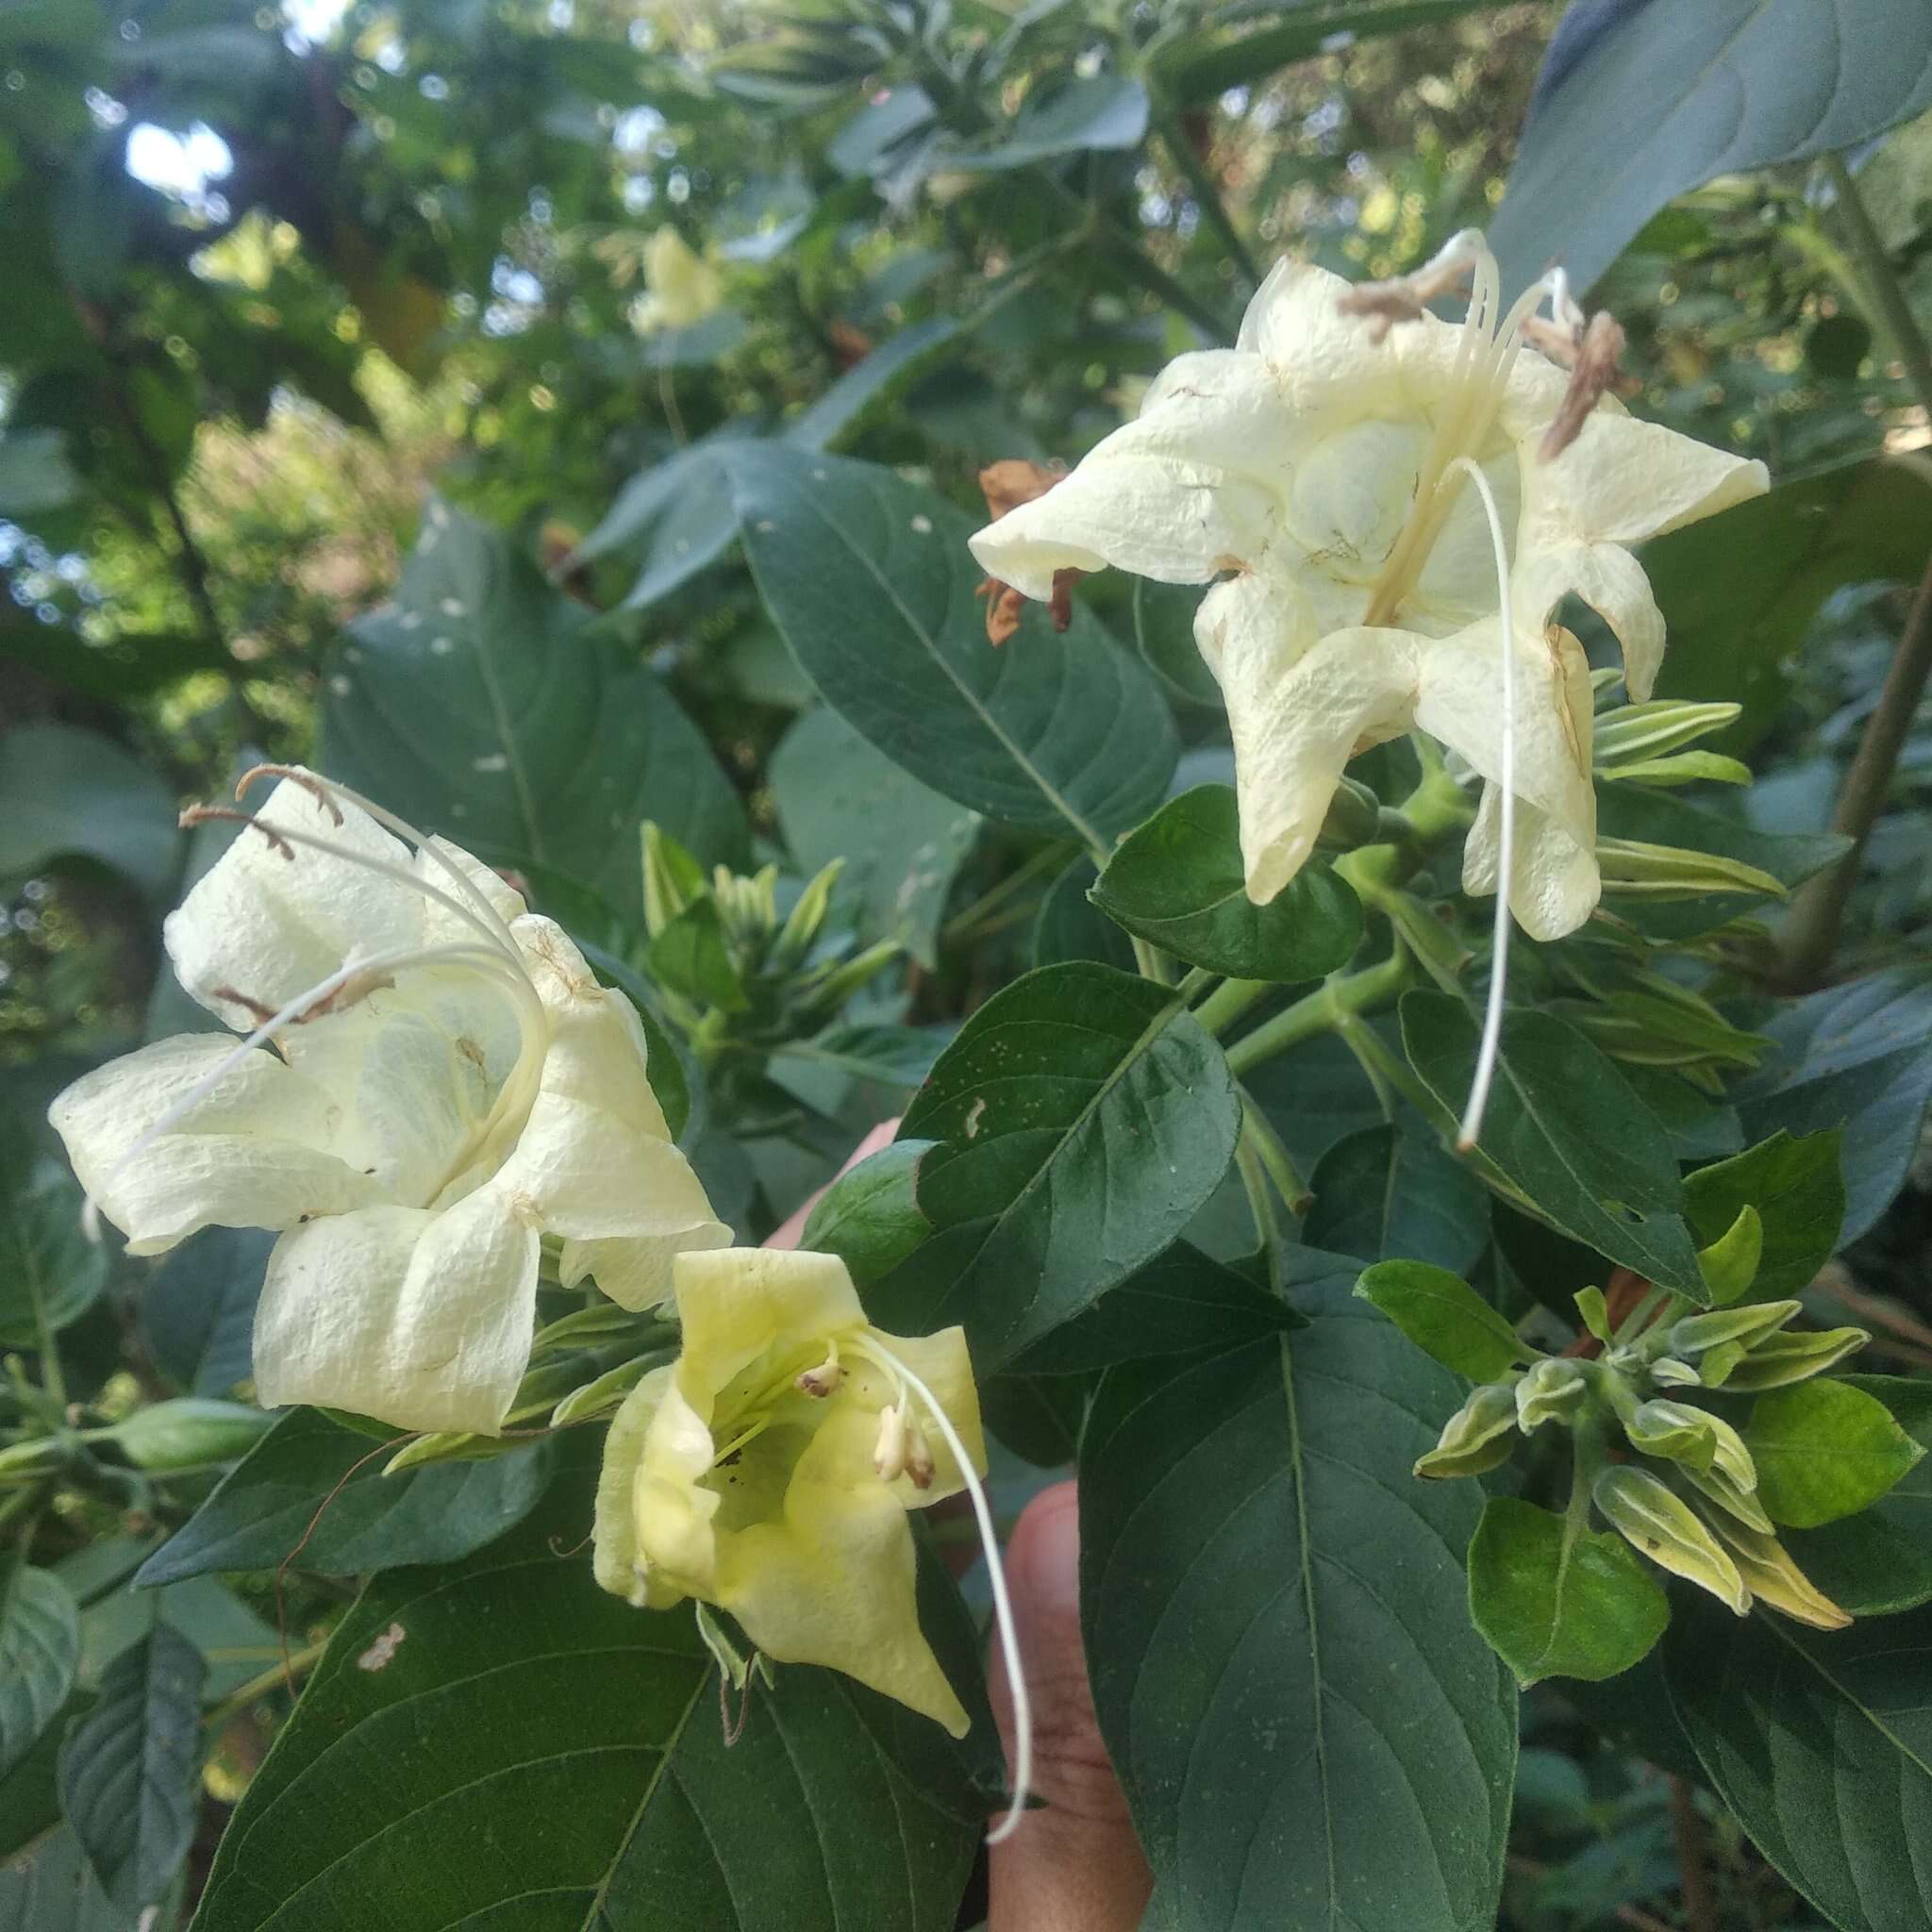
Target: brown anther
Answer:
[[819, 1382], [1404, 298], [206, 814], [1005, 485], [919, 1463], [1594, 375], [261, 1009], [309, 783]]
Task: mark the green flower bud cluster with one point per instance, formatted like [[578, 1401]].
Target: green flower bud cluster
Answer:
[[730, 971]]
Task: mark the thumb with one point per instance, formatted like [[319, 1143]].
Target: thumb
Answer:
[[1075, 1866]]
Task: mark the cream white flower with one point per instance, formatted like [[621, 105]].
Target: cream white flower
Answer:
[[1316, 469], [683, 287], [433, 1082]]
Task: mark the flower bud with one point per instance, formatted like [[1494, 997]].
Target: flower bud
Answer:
[[1718, 1490], [1664, 1528], [1692, 1436], [807, 915], [1652, 730], [1478, 1437], [188, 1432], [1552, 1390], [673, 879], [1667, 1373], [1768, 1571], [1785, 1357], [1354, 816], [1664, 873], [1696, 1333]]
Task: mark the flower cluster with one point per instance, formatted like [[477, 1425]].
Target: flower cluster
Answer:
[[1315, 476]]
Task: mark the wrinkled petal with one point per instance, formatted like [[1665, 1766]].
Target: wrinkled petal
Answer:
[[440, 925], [1296, 718], [266, 926], [1612, 583], [1554, 884], [1623, 480], [737, 1306], [1296, 323], [615, 1558], [258, 1150], [417, 1319], [1187, 490], [835, 1582]]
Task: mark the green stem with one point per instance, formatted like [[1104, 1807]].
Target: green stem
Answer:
[[1195, 980], [257, 1688], [1884, 294], [1811, 934], [1045, 859], [1127, 255], [1276, 1161], [1230, 1001], [1174, 133], [1260, 1203], [1323, 1010], [1149, 960], [53, 1378]]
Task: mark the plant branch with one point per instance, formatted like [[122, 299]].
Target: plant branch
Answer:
[[1332, 1004], [1810, 935], [1700, 1907], [257, 1688], [1174, 133], [1276, 1161], [1879, 281]]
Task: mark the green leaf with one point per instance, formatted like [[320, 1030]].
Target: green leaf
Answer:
[[1798, 1190], [1387, 1193], [51, 1889], [1665, 98], [46, 1254], [40, 1647], [1442, 1315], [130, 1770], [262, 1509], [1178, 881], [836, 797], [1107, 111], [1068, 926], [1566, 1131], [1555, 1599], [1309, 1731], [868, 1217], [1180, 1303], [1823, 1450], [67, 793], [1059, 734], [1821, 1745], [692, 956], [478, 705], [197, 1310], [1198, 66], [1083, 1116], [1740, 591], [1880, 1560], [1853, 1057], [1164, 629], [455, 1707]]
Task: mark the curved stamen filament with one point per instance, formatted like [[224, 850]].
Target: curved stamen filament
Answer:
[[1506, 843], [1002, 1603], [328, 790]]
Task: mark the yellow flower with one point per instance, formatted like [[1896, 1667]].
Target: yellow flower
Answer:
[[769, 1470], [684, 286], [1318, 470]]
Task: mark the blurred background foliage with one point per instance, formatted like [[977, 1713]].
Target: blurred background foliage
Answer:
[[286, 288]]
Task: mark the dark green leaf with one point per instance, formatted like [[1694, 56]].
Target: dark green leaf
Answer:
[[1178, 881], [477, 705], [1797, 1188], [197, 1310], [1852, 1056], [1442, 1315], [1178, 1304], [262, 1509], [1060, 734], [1164, 629], [868, 1217], [1557, 1599], [40, 1646], [1107, 111], [45, 1255], [1880, 1560], [51, 1889], [1317, 1094], [1387, 1193], [1308, 1729], [130, 1769], [1740, 591], [513, 1688], [1824, 1449], [838, 798], [1083, 1117], [692, 956], [1564, 1129], [1822, 1745], [1068, 926], [65, 792], [1665, 98]]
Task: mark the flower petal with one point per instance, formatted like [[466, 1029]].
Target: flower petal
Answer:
[[737, 1302], [942, 1362], [1190, 487], [835, 1582], [1554, 883], [1296, 718], [1623, 480], [259, 927], [1612, 583], [256, 1151], [418, 1319], [1296, 325]]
